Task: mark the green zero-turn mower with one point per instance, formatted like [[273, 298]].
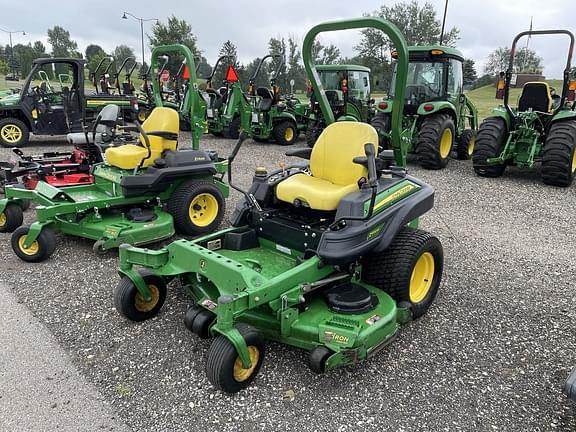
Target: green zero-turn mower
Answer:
[[323, 255], [438, 117], [142, 193], [270, 117], [542, 128], [347, 88]]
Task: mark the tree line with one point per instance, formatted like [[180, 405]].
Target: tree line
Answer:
[[419, 24]]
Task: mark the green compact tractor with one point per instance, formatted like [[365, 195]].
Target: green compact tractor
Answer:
[[347, 88], [142, 193], [225, 104], [272, 118], [324, 255], [438, 117], [542, 128], [47, 107]]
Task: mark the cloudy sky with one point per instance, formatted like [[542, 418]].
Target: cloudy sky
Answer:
[[484, 24]]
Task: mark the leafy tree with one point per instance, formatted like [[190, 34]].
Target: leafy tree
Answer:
[[121, 53], [469, 72], [4, 67], [40, 49], [204, 68], [62, 45], [525, 60], [92, 50], [175, 31], [484, 80], [295, 69], [277, 46]]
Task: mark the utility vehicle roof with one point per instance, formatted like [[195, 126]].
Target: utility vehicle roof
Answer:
[[58, 60], [426, 50]]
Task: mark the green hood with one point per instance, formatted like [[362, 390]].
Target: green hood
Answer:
[[11, 99]]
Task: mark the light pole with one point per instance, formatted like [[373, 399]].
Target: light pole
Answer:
[[142, 21], [11, 48]]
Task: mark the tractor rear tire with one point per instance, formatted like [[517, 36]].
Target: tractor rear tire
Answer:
[[312, 134], [435, 141], [223, 366], [11, 218], [466, 144], [233, 131], [285, 133], [13, 133], [131, 305], [409, 270], [197, 207], [489, 143], [559, 154], [40, 250], [381, 122]]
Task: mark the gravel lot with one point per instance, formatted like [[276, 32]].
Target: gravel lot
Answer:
[[491, 354]]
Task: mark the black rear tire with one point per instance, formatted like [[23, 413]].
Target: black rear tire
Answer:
[[131, 305], [234, 128], [222, 357], [312, 134], [40, 250], [466, 144], [13, 132], [381, 122], [392, 269], [559, 157], [11, 218], [490, 142], [285, 133], [433, 153], [197, 207]]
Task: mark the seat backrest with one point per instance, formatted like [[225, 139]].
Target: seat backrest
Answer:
[[161, 119], [536, 96], [336, 147]]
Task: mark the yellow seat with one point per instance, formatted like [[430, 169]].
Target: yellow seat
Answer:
[[334, 174], [130, 156]]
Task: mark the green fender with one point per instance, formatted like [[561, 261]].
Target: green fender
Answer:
[[346, 117], [564, 115], [437, 106], [283, 116], [502, 113]]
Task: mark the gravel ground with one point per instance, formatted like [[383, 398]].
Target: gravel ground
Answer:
[[491, 354]]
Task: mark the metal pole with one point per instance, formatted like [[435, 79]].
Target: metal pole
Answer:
[[11, 55], [443, 22], [142, 36]]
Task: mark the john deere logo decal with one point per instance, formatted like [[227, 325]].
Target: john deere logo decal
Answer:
[[202, 265]]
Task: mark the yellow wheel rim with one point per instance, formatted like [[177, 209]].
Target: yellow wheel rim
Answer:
[[446, 143], [141, 116], [471, 145], [203, 209], [289, 134], [11, 133], [2, 219], [146, 306], [30, 251], [241, 374], [422, 277], [573, 164]]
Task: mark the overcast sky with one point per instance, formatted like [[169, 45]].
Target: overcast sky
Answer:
[[484, 24]]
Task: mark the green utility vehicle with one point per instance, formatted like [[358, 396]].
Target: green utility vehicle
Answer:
[[347, 88], [46, 107], [141, 194], [438, 117], [542, 128], [323, 255]]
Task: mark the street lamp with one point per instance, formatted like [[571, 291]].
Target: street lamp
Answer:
[[11, 48], [142, 21]]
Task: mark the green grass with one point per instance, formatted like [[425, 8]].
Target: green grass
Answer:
[[485, 98]]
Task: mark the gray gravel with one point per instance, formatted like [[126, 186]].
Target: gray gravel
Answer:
[[491, 354]]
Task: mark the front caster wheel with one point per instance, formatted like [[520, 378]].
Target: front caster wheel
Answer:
[[318, 358], [11, 218], [41, 249], [132, 305], [224, 367]]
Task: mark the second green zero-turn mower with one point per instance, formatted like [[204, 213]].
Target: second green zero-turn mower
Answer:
[[542, 128], [438, 117], [324, 255], [142, 193]]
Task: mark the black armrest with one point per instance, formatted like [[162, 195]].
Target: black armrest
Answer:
[[303, 153], [163, 134]]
